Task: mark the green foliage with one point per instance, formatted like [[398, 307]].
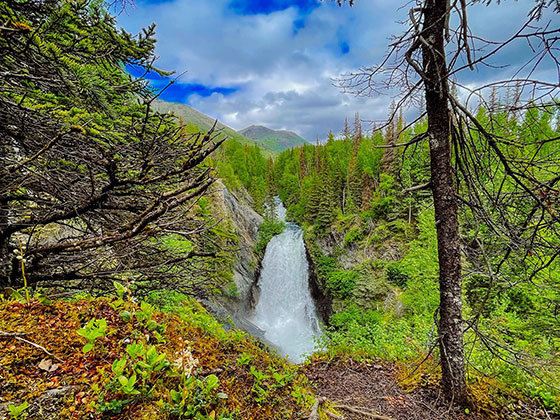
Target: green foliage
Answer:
[[244, 165], [126, 176], [94, 329], [325, 266], [244, 359], [194, 397], [126, 316], [302, 395], [268, 229], [396, 276], [369, 333], [353, 235], [18, 412], [341, 283]]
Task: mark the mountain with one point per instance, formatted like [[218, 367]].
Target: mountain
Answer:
[[197, 118], [271, 141], [276, 140]]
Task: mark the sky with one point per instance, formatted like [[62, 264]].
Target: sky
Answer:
[[274, 63]]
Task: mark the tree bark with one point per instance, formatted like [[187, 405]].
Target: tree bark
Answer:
[[445, 202], [4, 252]]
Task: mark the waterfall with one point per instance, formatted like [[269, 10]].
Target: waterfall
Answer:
[[285, 309]]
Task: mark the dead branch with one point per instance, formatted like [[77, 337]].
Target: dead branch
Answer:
[[362, 412], [17, 337]]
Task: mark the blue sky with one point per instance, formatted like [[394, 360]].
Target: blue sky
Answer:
[[273, 62]]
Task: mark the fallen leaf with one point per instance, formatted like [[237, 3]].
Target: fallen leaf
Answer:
[[48, 365]]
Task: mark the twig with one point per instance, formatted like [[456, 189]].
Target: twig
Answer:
[[315, 410], [11, 334], [16, 336], [332, 415], [363, 413]]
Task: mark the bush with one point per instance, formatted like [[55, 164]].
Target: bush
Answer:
[[353, 235], [341, 283], [325, 266], [267, 230], [381, 208], [396, 276]]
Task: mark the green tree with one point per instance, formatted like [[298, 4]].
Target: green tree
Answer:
[[92, 183]]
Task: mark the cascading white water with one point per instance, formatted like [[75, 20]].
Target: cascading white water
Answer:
[[285, 309]]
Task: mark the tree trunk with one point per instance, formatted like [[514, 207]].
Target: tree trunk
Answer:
[[445, 202], [4, 254]]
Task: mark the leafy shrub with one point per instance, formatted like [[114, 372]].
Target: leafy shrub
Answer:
[[368, 333], [341, 283], [381, 207], [325, 266], [353, 235], [396, 276], [267, 230]]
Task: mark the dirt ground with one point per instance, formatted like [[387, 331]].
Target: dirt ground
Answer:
[[372, 388]]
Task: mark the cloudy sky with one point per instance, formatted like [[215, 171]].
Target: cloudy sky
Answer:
[[273, 62]]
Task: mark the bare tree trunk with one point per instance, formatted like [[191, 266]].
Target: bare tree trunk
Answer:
[[445, 201], [4, 254]]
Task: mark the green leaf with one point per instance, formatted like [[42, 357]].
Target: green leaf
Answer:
[[176, 396], [143, 365], [16, 411], [13, 293], [88, 347], [134, 350], [151, 325], [122, 380], [120, 289], [118, 366], [44, 300], [212, 382], [126, 316], [131, 381]]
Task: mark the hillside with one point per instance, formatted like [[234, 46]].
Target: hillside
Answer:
[[119, 359], [197, 118], [277, 140]]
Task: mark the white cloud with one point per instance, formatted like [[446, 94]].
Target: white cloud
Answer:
[[284, 78]]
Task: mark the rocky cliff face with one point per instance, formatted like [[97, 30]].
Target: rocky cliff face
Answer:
[[236, 207]]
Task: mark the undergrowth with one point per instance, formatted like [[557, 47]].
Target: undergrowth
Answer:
[[401, 329], [111, 357]]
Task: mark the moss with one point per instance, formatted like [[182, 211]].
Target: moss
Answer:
[[183, 331]]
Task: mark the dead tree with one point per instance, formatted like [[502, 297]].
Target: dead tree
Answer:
[[424, 62]]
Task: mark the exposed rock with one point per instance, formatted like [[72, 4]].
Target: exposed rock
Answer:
[[323, 302], [391, 252], [236, 207]]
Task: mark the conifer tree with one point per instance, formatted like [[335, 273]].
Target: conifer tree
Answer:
[[92, 181], [357, 130], [346, 133]]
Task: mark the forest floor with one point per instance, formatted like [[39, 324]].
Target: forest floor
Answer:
[[45, 373], [372, 389], [365, 391]]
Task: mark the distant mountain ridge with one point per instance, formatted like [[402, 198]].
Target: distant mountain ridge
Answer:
[[204, 122], [271, 141], [276, 140]]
